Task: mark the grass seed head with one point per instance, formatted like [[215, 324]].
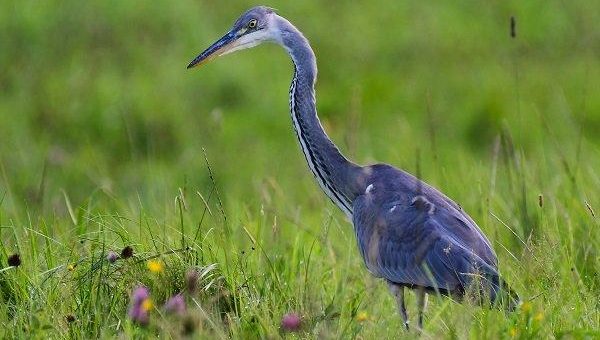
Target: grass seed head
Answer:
[[191, 280], [127, 252], [14, 260], [189, 325]]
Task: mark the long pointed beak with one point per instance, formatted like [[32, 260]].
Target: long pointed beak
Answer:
[[220, 47]]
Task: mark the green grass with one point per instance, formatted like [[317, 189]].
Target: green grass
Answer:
[[102, 131]]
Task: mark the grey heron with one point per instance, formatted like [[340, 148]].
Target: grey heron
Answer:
[[409, 233]]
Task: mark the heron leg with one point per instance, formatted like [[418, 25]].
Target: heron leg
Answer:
[[421, 305], [398, 292]]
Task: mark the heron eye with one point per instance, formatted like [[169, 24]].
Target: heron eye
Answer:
[[252, 23]]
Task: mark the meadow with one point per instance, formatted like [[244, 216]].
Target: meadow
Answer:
[[119, 168]]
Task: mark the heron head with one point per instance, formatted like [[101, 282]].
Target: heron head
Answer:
[[254, 27]]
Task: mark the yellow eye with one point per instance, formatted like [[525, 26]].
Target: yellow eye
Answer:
[[252, 23]]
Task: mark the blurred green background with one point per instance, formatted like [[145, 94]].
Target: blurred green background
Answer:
[[97, 94], [98, 111]]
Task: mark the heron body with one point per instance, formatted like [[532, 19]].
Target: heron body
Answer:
[[409, 234]]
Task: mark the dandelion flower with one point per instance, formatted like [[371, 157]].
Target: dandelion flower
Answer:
[[155, 266], [526, 307], [71, 267], [362, 316], [539, 317], [175, 304], [291, 322], [147, 305], [14, 260], [513, 332]]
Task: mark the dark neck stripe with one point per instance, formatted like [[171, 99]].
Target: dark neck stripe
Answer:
[[312, 156]]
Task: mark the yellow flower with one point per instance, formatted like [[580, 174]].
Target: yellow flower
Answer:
[[513, 332], [539, 317], [526, 307], [71, 267], [155, 266], [147, 305], [362, 316]]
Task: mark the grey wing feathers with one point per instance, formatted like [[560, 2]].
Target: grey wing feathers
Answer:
[[412, 242]]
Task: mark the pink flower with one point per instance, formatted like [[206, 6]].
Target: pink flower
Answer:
[[140, 293], [175, 304], [140, 305], [112, 256], [291, 322]]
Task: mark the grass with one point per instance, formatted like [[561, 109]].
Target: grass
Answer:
[[107, 142]]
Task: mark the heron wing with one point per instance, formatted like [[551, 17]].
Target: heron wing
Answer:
[[411, 242]]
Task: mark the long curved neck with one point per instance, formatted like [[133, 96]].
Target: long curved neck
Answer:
[[331, 169]]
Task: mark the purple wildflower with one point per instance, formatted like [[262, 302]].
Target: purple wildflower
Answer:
[[112, 257], [140, 293], [291, 322], [140, 301], [175, 304]]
